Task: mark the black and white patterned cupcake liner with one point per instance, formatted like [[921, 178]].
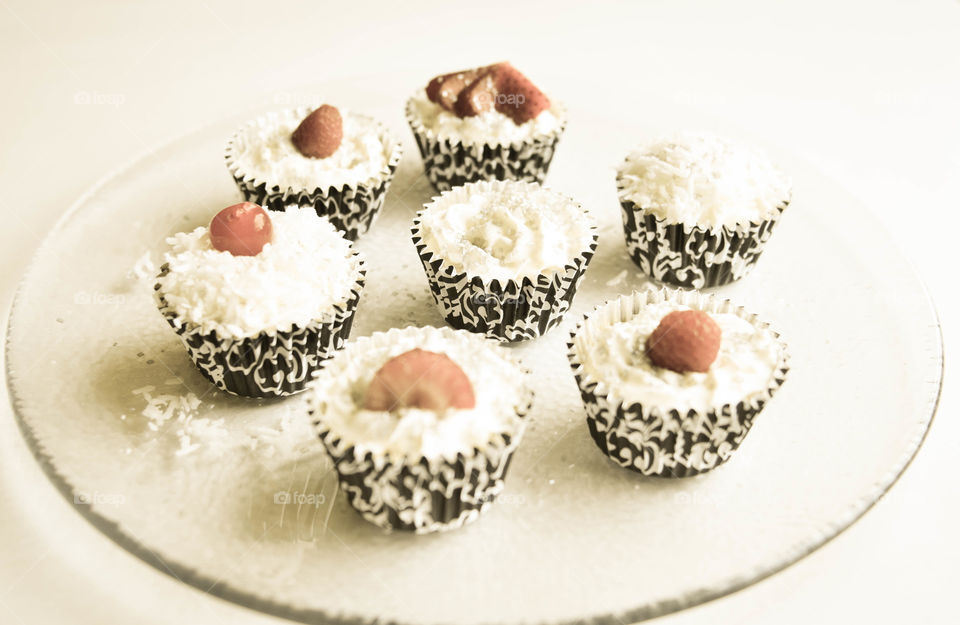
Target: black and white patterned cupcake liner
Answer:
[[504, 310], [450, 163], [271, 363], [693, 257], [651, 440], [352, 207], [420, 494]]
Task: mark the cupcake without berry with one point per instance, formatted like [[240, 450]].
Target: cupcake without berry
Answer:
[[504, 258], [421, 424], [488, 123], [672, 381], [260, 298], [337, 162], [699, 209]]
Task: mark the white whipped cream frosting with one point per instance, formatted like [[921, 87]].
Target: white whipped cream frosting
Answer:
[[491, 127], [307, 269], [338, 394], [505, 230], [263, 150], [703, 180], [613, 353]]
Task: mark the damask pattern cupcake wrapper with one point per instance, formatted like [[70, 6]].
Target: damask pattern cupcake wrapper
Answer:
[[422, 496], [693, 257], [657, 442], [508, 311], [450, 163], [352, 208], [270, 364]]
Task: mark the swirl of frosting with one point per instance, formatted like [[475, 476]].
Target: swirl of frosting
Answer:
[[505, 230]]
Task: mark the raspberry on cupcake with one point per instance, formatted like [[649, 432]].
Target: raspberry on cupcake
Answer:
[[337, 162], [672, 381], [504, 258], [698, 209], [486, 123], [260, 298], [421, 424]]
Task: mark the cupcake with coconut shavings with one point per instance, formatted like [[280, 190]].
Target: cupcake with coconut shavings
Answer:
[[504, 258], [260, 298], [421, 424], [338, 162], [487, 123], [699, 209], [672, 381]]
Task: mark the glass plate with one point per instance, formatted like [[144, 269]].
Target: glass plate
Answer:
[[250, 512]]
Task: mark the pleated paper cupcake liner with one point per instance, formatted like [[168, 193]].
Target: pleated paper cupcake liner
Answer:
[[507, 310], [693, 257], [423, 496], [419, 494], [351, 207], [450, 163], [271, 363], [662, 442]]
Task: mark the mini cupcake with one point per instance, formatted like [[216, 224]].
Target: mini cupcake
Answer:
[[260, 298], [489, 123], [504, 258], [698, 209], [337, 162], [421, 424], [672, 381]]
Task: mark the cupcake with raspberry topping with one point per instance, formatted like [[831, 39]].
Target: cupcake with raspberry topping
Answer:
[[699, 209], [488, 123], [260, 298], [421, 424], [335, 161], [504, 258], [672, 381]]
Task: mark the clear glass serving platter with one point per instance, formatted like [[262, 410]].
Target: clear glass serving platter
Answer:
[[237, 498]]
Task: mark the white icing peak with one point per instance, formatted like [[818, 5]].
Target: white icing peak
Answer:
[[491, 127], [307, 269], [703, 180], [613, 352], [263, 150], [505, 230], [339, 390]]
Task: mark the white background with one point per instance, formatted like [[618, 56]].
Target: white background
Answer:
[[869, 91]]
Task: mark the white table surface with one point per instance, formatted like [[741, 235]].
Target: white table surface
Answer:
[[867, 90]]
